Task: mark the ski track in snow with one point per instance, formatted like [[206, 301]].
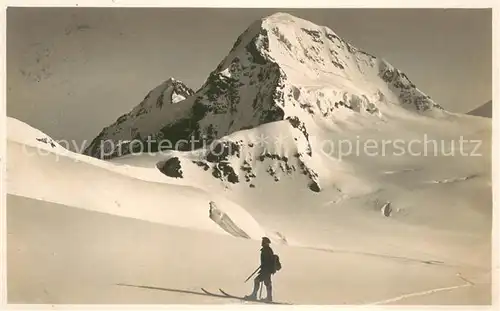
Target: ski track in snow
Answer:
[[427, 292], [451, 180], [406, 170], [390, 257], [416, 294]]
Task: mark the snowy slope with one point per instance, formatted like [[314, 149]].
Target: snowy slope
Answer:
[[349, 254], [485, 110], [442, 197], [61, 255], [37, 170], [281, 67]]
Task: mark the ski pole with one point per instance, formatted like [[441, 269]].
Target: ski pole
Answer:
[[252, 274]]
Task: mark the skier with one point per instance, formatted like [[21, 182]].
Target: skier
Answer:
[[267, 268]]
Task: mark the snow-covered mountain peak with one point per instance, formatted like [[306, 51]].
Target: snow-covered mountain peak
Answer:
[[312, 57], [289, 41], [175, 90], [280, 68], [281, 16], [145, 117]]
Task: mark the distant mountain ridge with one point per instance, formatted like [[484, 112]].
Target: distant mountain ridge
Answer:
[[149, 112], [485, 110]]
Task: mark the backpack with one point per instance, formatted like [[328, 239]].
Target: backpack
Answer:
[[277, 263]]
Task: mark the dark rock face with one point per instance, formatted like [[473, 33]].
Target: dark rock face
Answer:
[[225, 171], [296, 123], [202, 164], [47, 141], [221, 150], [219, 154], [408, 93], [218, 161], [220, 99], [314, 186], [171, 167]]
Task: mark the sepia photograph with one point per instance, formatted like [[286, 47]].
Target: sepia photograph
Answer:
[[248, 156]]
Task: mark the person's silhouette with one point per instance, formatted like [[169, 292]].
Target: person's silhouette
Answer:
[[267, 266]]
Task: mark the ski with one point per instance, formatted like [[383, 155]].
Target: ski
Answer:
[[256, 300], [212, 294], [232, 296], [226, 295], [223, 296]]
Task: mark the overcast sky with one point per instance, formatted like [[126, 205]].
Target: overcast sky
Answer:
[[72, 71]]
